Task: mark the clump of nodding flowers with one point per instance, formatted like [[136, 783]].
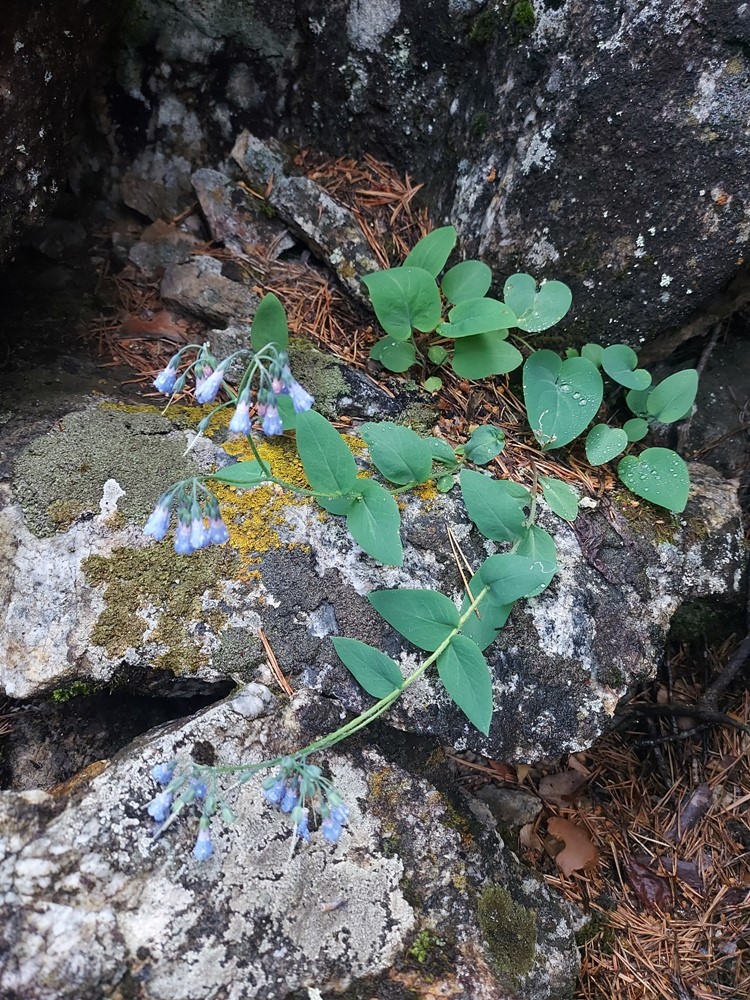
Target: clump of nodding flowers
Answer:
[[199, 521], [298, 789]]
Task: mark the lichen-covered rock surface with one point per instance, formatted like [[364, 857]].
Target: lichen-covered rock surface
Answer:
[[86, 597], [412, 898], [601, 144], [49, 54]]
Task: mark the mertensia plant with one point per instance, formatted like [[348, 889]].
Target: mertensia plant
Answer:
[[563, 398], [470, 330]]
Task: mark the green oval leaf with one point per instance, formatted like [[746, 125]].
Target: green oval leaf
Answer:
[[467, 679], [658, 475], [619, 362], [328, 463], [562, 397], [473, 316], [539, 308], [374, 522], [269, 324], [471, 279], [485, 443], [673, 398], [593, 353], [437, 354], [445, 484], [510, 576], [395, 355], [433, 250], [604, 443], [242, 474], [485, 354], [636, 429], [433, 384], [337, 505], [637, 400], [539, 547], [441, 451], [495, 506], [483, 627], [404, 299], [377, 673], [424, 617], [561, 498], [400, 454]]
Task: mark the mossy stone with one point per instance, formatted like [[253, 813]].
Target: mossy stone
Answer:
[[509, 930]]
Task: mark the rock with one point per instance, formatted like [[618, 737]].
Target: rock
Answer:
[[412, 893], [322, 223], [49, 55], [234, 219], [200, 288], [160, 246], [86, 597], [603, 146], [512, 807], [157, 184]]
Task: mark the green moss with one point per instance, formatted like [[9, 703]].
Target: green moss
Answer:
[[171, 587], [321, 374], [76, 689], [522, 17], [646, 519], [599, 929], [509, 930], [479, 124], [423, 945], [61, 474], [484, 26]]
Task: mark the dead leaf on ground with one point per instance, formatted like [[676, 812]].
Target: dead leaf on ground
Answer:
[[561, 788], [579, 851], [652, 890], [692, 808]]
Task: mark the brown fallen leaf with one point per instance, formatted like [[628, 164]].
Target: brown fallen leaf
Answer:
[[652, 890], [692, 808], [561, 788], [579, 851]]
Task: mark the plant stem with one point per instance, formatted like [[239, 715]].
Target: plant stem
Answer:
[[369, 715]]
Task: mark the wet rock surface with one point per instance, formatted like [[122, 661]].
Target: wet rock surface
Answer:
[[93, 905]]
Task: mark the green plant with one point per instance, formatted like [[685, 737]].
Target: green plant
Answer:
[[471, 326], [563, 397]]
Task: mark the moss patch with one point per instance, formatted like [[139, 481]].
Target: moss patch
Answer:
[[509, 930], [174, 585], [59, 477]]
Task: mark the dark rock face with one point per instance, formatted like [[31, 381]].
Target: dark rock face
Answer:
[[48, 52], [600, 144]]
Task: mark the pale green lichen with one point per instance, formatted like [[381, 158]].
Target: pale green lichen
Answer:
[[59, 477]]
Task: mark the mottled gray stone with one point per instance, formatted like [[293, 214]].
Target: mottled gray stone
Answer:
[[89, 902], [49, 54], [234, 218], [86, 596], [601, 144], [199, 287], [322, 223]]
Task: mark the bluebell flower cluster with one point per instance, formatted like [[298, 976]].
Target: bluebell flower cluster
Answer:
[[302, 792], [193, 785], [197, 525], [274, 376]]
